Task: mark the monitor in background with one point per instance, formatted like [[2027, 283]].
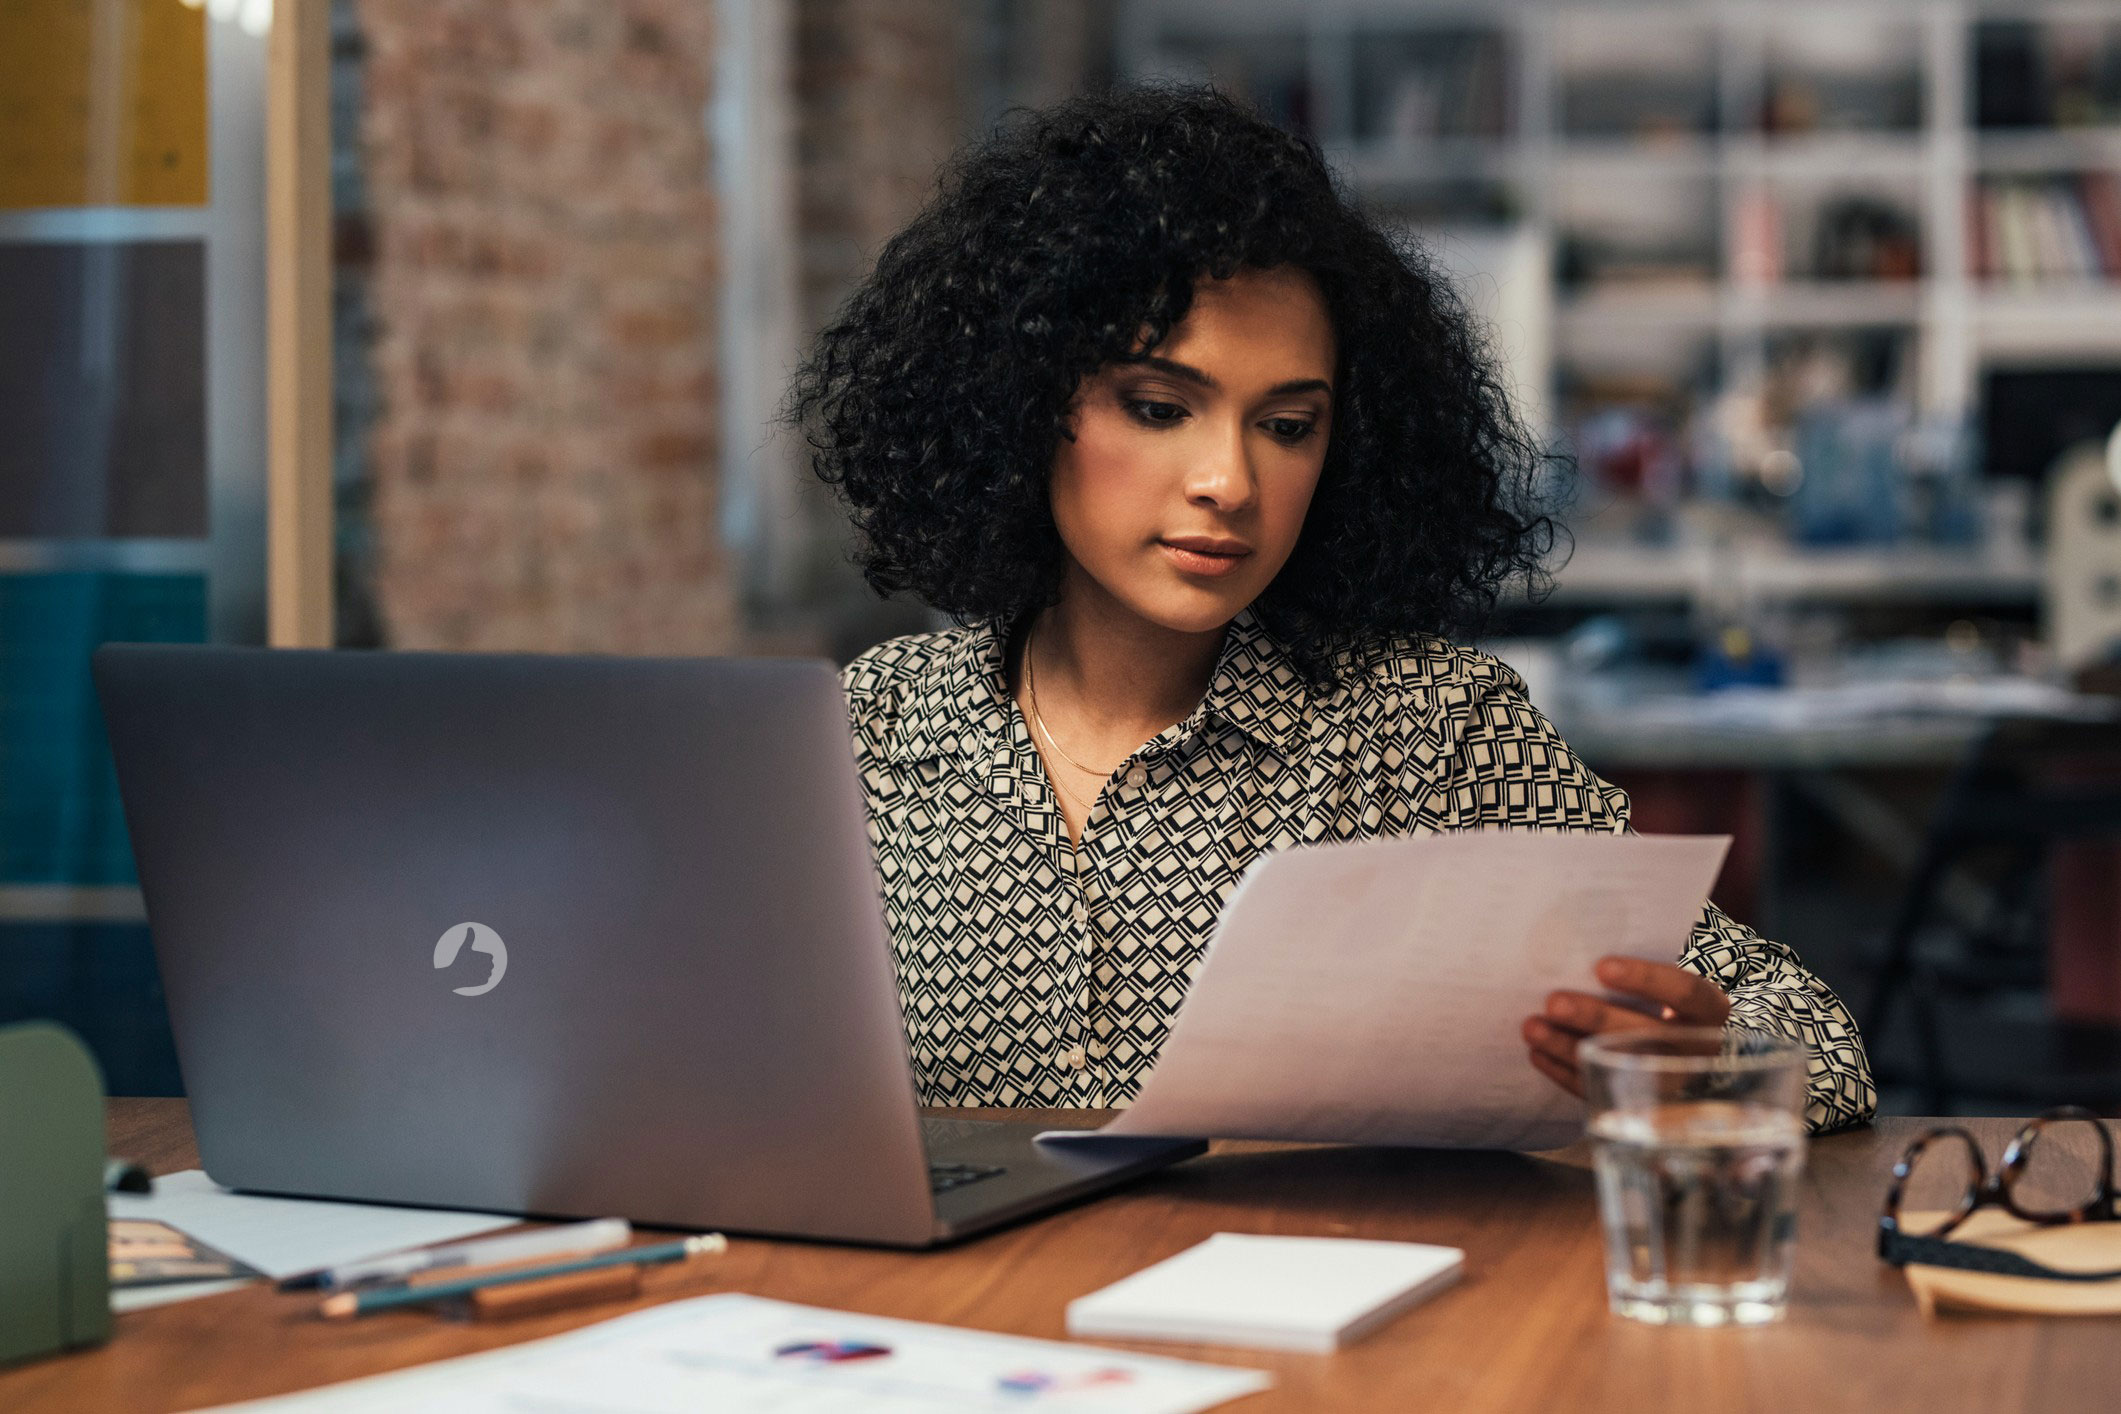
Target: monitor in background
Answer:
[[2030, 416]]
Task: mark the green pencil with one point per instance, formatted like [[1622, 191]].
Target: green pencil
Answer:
[[360, 1303]]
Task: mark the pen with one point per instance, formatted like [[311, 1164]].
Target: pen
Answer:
[[601, 1235], [361, 1303]]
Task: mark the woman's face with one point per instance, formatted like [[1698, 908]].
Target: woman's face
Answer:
[[1191, 468]]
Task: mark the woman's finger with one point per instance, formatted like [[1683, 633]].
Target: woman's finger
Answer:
[[1563, 1075], [1551, 1041], [1587, 1015], [1690, 998]]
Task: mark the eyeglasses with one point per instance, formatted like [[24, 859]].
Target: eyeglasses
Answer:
[[2049, 1184]]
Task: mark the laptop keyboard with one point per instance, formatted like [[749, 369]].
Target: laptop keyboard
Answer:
[[944, 1177]]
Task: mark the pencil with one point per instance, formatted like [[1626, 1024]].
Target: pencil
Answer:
[[361, 1303], [552, 1243]]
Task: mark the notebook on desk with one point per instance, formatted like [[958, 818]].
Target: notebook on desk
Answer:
[[1277, 1293]]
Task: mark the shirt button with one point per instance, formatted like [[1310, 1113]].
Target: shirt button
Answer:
[[1137, 777], [1076, 1059]]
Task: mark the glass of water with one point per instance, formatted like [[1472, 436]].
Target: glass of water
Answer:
[[1698, 1138]]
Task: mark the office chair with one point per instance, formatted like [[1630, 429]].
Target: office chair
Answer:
[[2028, 788]]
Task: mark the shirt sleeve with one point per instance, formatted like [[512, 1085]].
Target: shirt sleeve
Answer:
[[1511, 768]]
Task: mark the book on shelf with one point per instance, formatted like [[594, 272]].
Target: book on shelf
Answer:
[[1755, 240], [1853, 238], [2023, 230], [1433, 84]]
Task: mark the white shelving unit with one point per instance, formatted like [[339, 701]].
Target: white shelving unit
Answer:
[[1607, 572], [1957, 326]]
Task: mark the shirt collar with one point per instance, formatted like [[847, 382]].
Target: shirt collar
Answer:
[[960, 704], [1256, 689], [961, 707]]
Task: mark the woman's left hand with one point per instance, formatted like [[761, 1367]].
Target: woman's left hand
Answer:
[[1671, 996]]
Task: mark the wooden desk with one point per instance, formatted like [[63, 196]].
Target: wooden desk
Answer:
[[1526, 1330]]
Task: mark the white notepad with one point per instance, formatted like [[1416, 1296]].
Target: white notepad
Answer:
[[1280, 1293]]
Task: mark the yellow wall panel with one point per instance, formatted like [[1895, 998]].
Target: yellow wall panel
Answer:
[[102, 103]]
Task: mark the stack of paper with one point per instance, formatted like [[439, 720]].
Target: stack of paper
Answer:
[[280, 1236], [1282, 1293]]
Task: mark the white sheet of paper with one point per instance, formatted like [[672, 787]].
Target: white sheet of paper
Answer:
[[734, 1354], [168, 1293], [283, 1236], [1371, 993]]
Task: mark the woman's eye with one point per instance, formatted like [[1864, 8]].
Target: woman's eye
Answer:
[[1154, 413], [1290, 429]]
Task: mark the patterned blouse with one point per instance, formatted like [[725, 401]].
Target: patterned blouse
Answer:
[[1038, 973]]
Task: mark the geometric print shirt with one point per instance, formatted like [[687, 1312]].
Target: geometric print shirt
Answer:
[[1037, 972]]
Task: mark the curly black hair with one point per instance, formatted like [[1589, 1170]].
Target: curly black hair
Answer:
[[1075, 235]]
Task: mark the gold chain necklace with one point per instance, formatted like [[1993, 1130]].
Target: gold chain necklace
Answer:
[[1080, 803], [1038, 719]]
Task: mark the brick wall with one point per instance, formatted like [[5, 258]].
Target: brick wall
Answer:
[[527, 258], [543, 291]]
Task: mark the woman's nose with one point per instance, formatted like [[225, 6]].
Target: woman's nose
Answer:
[[1222, 475]]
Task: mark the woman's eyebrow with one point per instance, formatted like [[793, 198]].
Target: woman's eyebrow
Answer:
[[1300, 385], [1194, 375], [1176, 369]]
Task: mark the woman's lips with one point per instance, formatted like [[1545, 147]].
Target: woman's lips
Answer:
[[1204, 557]]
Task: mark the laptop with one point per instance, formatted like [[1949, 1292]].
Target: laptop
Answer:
[[562, 936]]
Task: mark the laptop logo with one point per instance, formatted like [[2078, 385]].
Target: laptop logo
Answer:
[[480, 938]]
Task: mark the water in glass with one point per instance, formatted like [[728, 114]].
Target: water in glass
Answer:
[[1699, 1200]]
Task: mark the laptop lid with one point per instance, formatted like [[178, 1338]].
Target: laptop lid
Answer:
[[558, 935]]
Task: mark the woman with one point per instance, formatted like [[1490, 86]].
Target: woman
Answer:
[[1208, 468]]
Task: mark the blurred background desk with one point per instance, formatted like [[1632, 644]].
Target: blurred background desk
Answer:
[[1919, 840], [1527, 1329], [1763, 787], [1688, 768]]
